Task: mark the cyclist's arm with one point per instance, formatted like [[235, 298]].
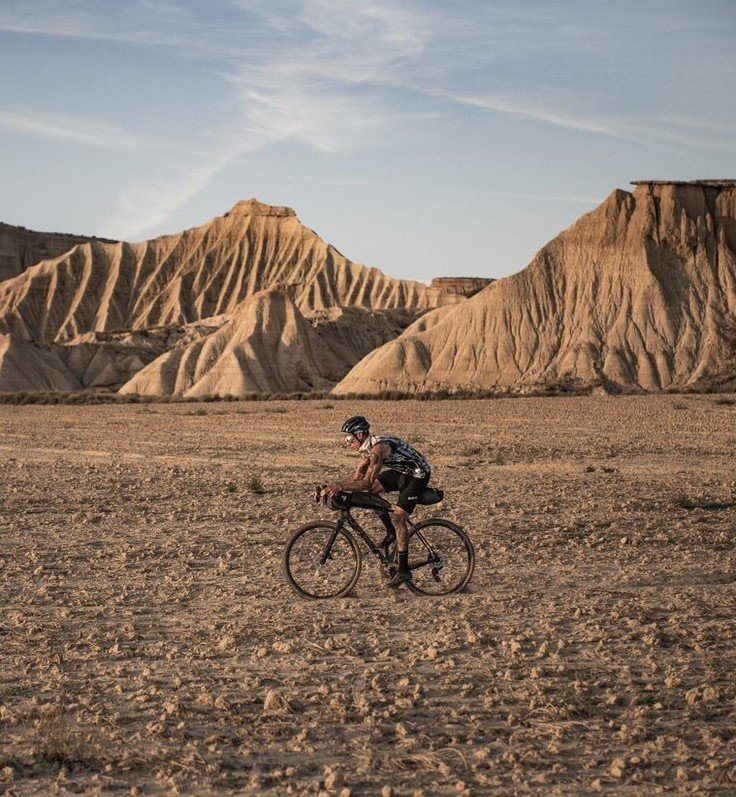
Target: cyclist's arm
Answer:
[[362, 468], [368, 481]]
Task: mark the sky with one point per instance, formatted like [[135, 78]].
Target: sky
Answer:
[[427, 138]]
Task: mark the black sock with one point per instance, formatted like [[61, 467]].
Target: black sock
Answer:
[[404, 561]]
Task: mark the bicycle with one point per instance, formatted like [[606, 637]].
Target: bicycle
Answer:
[[324, 560]]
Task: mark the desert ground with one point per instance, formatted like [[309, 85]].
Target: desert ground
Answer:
[[149, 643]]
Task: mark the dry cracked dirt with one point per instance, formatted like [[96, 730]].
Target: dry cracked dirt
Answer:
[[149, 643]]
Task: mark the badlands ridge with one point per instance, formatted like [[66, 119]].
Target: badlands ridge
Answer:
[[639, 294]]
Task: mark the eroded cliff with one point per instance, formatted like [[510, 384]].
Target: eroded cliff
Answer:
[[638, 294]]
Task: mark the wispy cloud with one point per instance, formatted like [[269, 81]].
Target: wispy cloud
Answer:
[[76, 130], [149, 204], [676, 132], [319, 84], [135, 22]]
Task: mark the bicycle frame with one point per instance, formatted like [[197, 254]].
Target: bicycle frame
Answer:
[[347, 519]]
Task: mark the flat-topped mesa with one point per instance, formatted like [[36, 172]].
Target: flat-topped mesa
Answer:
[[686, 212], [464, 286], [252, 207], [709, 183]]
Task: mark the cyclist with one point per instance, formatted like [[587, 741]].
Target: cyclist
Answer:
[[407, 472]]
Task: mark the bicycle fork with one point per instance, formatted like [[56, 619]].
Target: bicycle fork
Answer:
[[328, 548]]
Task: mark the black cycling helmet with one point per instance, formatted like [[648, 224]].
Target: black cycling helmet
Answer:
[[355, 424]]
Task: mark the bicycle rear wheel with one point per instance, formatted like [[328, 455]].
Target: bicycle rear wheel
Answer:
[[321, 561], [441, 557]]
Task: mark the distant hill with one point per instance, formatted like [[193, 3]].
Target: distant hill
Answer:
[[21, 248], [268, 346], [639, 294], [202, 272], [100, 311]]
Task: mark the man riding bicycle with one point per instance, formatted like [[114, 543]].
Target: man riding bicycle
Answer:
[[407, 472]]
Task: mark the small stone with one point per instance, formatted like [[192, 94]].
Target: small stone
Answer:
[[275, 703], [333, 778], [692, 696], [227, 641], [618, 768]]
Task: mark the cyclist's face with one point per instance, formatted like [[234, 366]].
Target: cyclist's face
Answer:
[[352, 442]]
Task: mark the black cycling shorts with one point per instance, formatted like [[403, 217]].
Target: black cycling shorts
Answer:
[[409, 488]]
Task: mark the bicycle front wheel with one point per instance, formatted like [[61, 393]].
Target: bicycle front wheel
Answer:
[[441, 558], [322, 561]]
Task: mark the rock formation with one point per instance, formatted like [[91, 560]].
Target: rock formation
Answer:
[[461, 286], [202, 272], [25, 366], [267, 346], [21, 248], [101, 311], [639, 294]]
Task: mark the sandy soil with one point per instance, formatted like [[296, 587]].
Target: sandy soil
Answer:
[[150, 644]]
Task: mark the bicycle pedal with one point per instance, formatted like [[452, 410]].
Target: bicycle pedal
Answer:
[[389, 571]]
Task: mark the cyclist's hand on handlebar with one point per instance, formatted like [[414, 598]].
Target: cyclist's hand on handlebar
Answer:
[[328, 490], [322, 492]]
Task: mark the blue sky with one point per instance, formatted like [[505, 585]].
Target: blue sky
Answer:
[[428, 138]]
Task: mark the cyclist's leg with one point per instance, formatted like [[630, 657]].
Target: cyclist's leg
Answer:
[[409, 489], [388, 482]]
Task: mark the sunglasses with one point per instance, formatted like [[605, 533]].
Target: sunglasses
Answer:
[[350, 439]]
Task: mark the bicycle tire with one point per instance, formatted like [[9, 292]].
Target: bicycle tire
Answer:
[[348, 547], [452, 540]]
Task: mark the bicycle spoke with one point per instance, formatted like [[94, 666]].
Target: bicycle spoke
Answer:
[[441, 558], [322, 562]]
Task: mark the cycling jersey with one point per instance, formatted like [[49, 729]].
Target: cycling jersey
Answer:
[[403, 458]]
